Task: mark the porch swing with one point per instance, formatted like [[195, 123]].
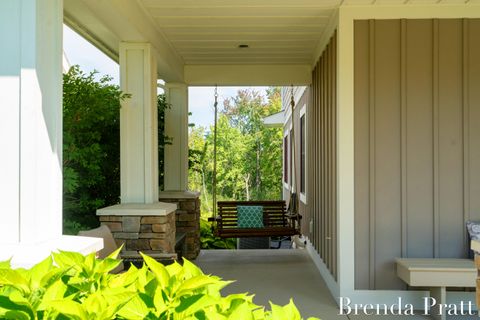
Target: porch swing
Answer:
[[263, 218]]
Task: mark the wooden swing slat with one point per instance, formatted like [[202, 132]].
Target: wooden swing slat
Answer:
[[275, 220]]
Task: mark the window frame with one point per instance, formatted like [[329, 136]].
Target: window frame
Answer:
[[303, 149], [291, 159], [286, 160]]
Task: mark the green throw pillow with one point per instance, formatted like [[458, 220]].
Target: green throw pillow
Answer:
[[250, 216]]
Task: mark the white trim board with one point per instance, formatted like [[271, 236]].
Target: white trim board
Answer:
[[325, 273], [388, 297], [291, 158], [303, 112], [345, 156], [303, 198], [286, 134], [410, 12], [325, 38]]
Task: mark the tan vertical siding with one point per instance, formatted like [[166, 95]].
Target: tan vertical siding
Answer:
[[417, 142], [321, 139], [362, 165], [472, 99], [418, 189]]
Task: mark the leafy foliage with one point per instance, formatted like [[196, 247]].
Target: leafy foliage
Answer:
[[210, 241], [68, 285], [91, 146], [163, 139], [249, 158]]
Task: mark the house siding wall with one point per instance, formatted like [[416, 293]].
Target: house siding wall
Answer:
[[303, 101], [322, 157], [417, 142]]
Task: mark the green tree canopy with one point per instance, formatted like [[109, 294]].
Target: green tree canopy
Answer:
[[249, 163], [91, 145]]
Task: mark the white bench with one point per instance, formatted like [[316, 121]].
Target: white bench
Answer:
[[437, 274]]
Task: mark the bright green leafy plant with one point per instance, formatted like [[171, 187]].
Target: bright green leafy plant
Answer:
[[208, 239], [68, 285]]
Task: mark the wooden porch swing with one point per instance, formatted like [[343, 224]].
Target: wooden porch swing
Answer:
[[277, 220]]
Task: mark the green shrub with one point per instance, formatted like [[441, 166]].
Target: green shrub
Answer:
[[91, 146], [68, 285], [209, 241], [163, 140]]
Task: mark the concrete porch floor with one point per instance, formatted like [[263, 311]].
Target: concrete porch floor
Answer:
[[275, 275], [279, 275]]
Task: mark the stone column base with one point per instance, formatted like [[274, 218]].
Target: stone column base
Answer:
[[187, 218], [147, 228]]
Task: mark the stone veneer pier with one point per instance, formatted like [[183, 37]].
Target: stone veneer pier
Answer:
[[187, 218], [149, 228]]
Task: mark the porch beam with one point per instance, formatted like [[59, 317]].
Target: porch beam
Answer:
[[248, 75], [176, 127], [106, 23], [138, 124]]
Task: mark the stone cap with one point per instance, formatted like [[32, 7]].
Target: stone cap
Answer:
[[178, 194], [138, 209]]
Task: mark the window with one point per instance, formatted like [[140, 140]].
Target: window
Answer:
[[285, 159], [292, 162], [302, 154]]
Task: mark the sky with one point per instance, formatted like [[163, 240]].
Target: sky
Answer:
[[200, 99]]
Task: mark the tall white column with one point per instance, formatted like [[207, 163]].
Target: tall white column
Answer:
[[30, 121], [176, 127], [138, 124]]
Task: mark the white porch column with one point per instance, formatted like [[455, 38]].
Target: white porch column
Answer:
[[30, 121], [31, 134], [176, 127], [138, 124]]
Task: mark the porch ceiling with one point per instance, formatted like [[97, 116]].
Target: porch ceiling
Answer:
[[210, 31], [189, 35]]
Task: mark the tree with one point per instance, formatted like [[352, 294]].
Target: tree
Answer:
[[91, 147], [249, 163], [198, 147], [163, 139], [263, 156]]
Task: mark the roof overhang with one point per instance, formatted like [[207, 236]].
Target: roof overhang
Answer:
[[275, 120]]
